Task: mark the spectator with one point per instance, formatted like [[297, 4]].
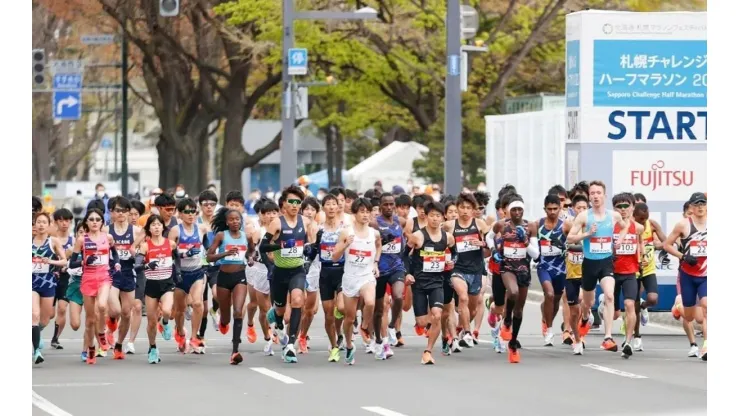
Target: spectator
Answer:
[[102, 196]]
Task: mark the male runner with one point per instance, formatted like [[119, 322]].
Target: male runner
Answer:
[[287, 236], [595, 227], [208, 201], [693, 260], [431, 245], [63, 220], [469, 232], [574, 273], [551, 232]]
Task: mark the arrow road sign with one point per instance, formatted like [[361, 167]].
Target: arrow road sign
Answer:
[[67, 105], [297, 61]]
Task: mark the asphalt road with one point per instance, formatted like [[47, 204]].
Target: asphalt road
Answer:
[[548, 380]]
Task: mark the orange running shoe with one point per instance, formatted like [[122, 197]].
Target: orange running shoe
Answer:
[[426, 358], [182, 345], [584, 327], [505, 332], [366, 336], [103, 342], [109, 337], [419, 330], [236, 358], [514, 352], [197, 346], [91, 356], [251, 334], [118, 354], [302, 345], [475, 335], [609, 345], [223, 328], [112, 324], [179, 339]]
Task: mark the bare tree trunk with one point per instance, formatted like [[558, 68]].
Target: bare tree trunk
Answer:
[[338, 157]]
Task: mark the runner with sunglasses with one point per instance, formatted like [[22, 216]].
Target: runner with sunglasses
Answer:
[[96, 248], [208, 201], [287, 237], [189, 292], [63, 219]]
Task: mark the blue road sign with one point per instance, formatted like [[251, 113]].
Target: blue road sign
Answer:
[[106, 143], [67, 105], [297, 61], [453, 65], [67, 82]]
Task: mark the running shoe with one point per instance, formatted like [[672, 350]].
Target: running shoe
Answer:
[[475, 336], [627, 350], [567, 337], [350, 358], [215, 317], [340, 342], [37, 357], [578, 348], [154, 356], [271, 316], [267, 350], [387, 349], [549, 337], [282, 337], [289, 355], [492, 318], [101, 353], [366, 335], [467, 341], [506, 332], [56, 345], [41, 344], [379, 352], [704, 351], [419, 330], [167, 331], [224, 329], [585, 326], [251, 334], [609, 345], [91, 359], [235, 359], [334, 355], [392, 336], [399, 340], [197, 346], [456, 345], [130, 349], [644, 314], [446, 349], [637, 344], [694, 351], [514, 347], [370, 347], [302, 345], [112, 324], [83, 355], [118, 354], [426, 358]]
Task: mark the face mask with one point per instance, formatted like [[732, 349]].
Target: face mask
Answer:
[[152, 199], [100, 194], [180, 193]]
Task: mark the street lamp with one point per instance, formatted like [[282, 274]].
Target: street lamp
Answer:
[[288, 154]]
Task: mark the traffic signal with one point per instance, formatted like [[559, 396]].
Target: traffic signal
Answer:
[[39, 65], [169, 8]]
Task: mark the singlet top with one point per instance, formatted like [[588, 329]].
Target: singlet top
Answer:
[[428, 262], [261, 263], [291, 240], [173, 223], [574, 262], [184, 244], [391, 253], [647, 238], [326, 248], [101, 250], [230, 242], [359, 257], [515, 257], [415, 227], [124, 243], [39, 269], [469, 257], [162, 254], [696, 245], [626, 260], [599, 245], [551, 257]]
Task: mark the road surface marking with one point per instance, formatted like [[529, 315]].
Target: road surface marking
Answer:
[[275, 375], [612, 371], [382, 411], [47, 406], [73, 385]]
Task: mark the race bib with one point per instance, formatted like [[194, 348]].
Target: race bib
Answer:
[[124, 251], [38, 266], [358, 258], [628, 246], [600, 245], [575, 257], [164, 262], [515, 250], [100, 259], [292, 252], [698, 248], [238, 257], [432, 261], [326, 251], [463, 243], [394, 247], [548, 250]]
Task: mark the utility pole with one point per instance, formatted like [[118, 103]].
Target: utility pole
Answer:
[[453, 102], [288, 154], [124, 114]]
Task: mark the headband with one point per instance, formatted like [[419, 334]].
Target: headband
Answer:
[[516, 204]]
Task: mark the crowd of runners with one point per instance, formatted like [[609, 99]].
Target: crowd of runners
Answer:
[[362, 259]]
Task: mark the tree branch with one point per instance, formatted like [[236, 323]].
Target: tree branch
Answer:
[[262, 89], [504, 19]]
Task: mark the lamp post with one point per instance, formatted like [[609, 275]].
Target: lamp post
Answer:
[[288, 153]]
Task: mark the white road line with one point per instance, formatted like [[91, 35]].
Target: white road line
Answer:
[[275, 375], [381, 411], [47, 406], [612, 371], [73, 385]]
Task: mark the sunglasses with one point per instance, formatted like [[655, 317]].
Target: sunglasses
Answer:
[[208, 204], [168, 209], [121, 210], [95, 219], [567, 205], [189, 211], [293, 201], [622, 206]]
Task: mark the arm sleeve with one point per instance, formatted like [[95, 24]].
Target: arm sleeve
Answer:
[[139, 262], [75, 261], [266, 246], [533, 248]]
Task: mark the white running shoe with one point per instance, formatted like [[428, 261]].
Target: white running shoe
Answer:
[[371, 347], [468, 338], [578, 348], [548, 338], [267, 350], [456, 345], [392, 336], [694, 351], [129, 348], [637, 344], [379, 351]]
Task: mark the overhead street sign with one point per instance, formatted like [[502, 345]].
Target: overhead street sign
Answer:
[[67, 105], [98, 39], [66, 67], [297, 61], [67, 82]]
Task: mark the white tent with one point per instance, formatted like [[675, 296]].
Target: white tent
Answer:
[[392, 165]]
